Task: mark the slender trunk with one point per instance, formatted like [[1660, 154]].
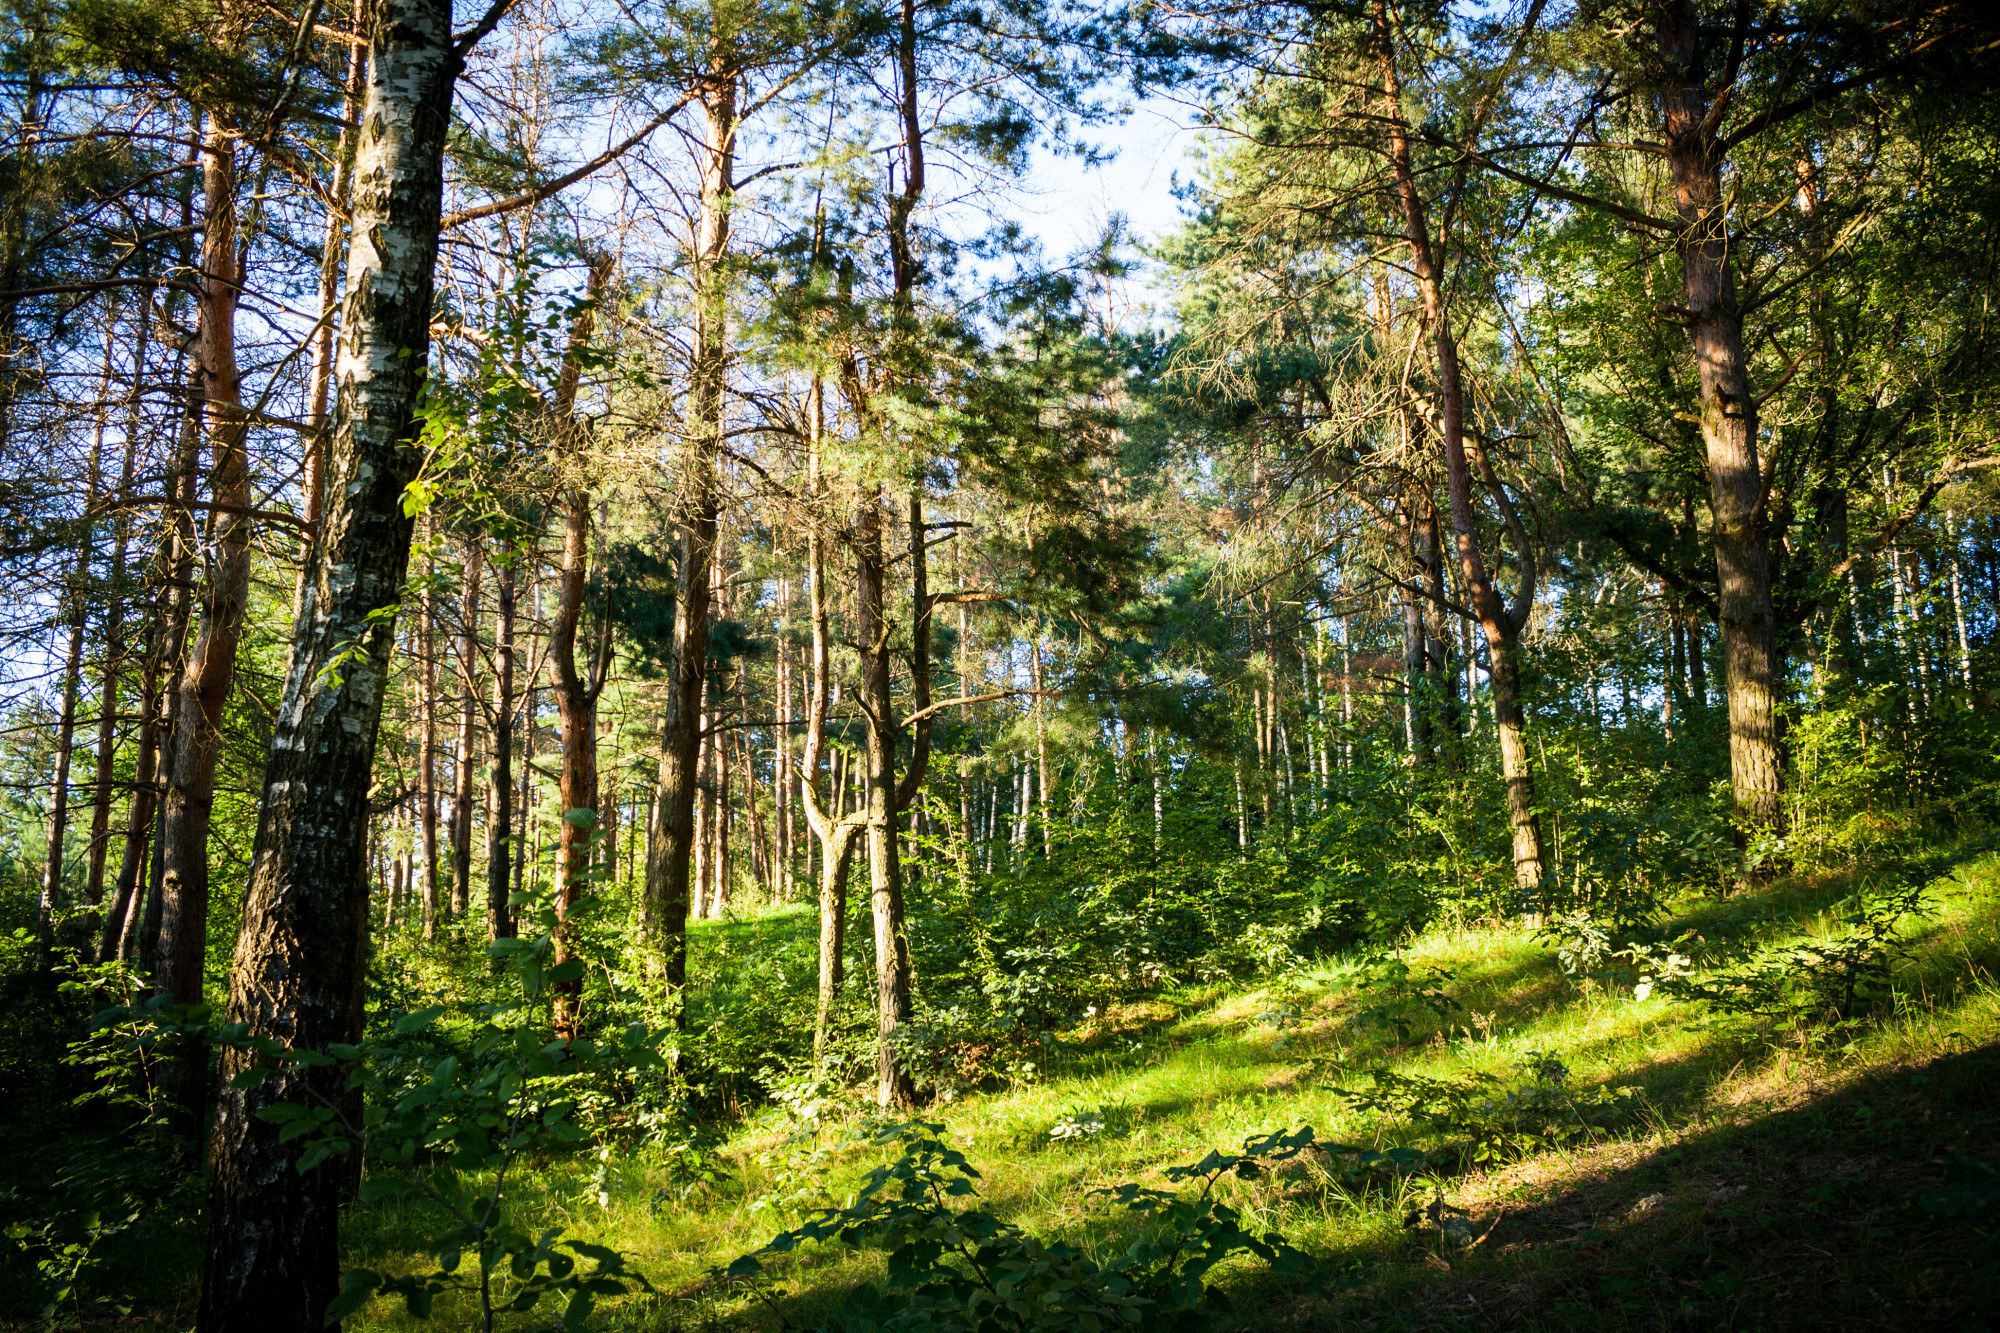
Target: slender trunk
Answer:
[[1442, 681], [834, 833], [667, 868], [1242, 810], [1041, 749], [718, 897], [427, 793], [311, 484], [122, 920], [885, 878], [1958, 605], [273, 1257], [463, 768], [211, 667], [576, 686], [500, 827], [1346, 693], [524, 798], [179, 558], [1416, 721], [781, 778], [115, 647], [1502, 625], [1746, 616], [76, 615], [1153, 772]]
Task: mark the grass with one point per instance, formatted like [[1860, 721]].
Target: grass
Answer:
[[1754, 1180]]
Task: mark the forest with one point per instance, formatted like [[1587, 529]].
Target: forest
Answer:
[[635, 696]]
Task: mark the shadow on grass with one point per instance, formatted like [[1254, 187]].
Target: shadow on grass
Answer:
[[1802, 1217]]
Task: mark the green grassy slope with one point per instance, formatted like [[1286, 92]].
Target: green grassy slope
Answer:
[[1748, 1179]]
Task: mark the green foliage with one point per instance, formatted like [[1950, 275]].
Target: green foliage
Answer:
[[954, 1266], [1400, 996], [1478, 1118], [1817, 988], [132, 1182], [448, 1127]]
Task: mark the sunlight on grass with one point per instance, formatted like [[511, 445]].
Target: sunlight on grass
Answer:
[[1160, 1082]]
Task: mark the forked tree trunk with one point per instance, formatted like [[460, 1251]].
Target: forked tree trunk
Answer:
[[273, 1260], [211, 666], [835, 833], [576, 688]]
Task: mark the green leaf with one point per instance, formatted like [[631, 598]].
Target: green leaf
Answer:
[[422, 1018], [384, 1187], [357, 1286]]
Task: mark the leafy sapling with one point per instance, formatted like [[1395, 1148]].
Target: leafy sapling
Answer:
[[954, 1267]]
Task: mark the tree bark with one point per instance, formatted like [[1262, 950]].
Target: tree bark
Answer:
[[885, 879], [500, 825], [1501, 624], [273, 1260], [463, 767], [427, 792], [211, 666], [671, 857], [1746, 617], [576, 687]]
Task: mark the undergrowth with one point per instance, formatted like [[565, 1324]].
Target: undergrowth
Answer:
[[1504, 1131]]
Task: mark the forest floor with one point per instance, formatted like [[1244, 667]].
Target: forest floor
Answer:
[[1746, 1180]]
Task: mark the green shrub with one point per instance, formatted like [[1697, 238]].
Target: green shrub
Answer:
[[954, 1267]]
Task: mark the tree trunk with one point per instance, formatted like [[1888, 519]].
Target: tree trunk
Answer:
[[76, 614], [273, 1260], [211, 667], [885, 878], [1509, 722], [121, 921], [1502, 625], [1416, 720], [665, 920], [781, 778], [178, 558], [1728, 427], [427, 793], [463, 767], [835, 833], [500, 826], [576, 688], [115, 647]]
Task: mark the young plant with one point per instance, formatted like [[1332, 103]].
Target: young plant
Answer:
[[1821, 984], [1482, 1119], [954, 1267]]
